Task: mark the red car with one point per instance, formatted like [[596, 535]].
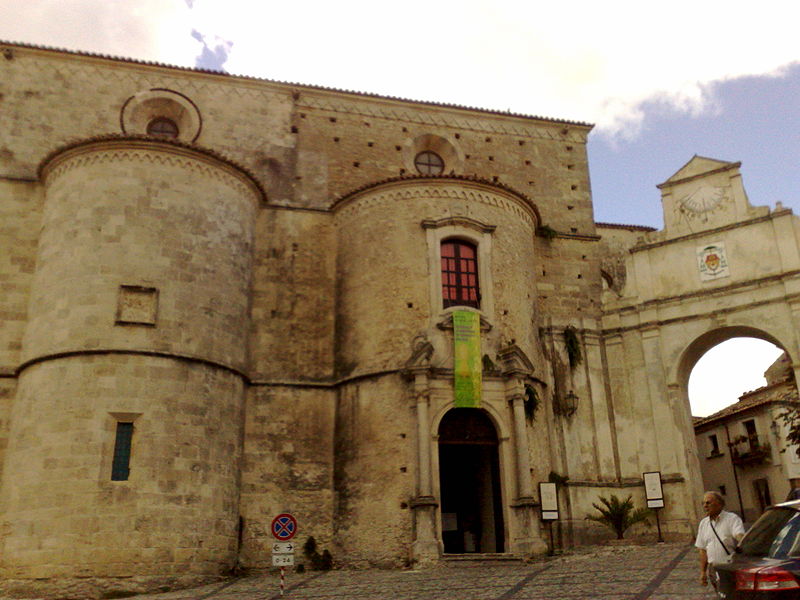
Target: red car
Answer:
[[766, 564]]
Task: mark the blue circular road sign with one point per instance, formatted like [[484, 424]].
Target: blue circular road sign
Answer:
[[284, 526]]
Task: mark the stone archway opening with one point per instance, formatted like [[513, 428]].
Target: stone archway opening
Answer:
[[727, 370], [734, 378], [734, 344], [469, 476]]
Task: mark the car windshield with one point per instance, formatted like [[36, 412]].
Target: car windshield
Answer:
[[775, 535]]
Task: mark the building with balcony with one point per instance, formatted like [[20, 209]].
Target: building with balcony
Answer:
[[743, 450]]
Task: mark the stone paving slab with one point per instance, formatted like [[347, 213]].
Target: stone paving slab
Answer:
[[655, 572]]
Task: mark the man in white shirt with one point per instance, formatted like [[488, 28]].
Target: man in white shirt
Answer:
[[718, 534]]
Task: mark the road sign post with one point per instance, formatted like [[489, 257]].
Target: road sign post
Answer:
[[284, 528]]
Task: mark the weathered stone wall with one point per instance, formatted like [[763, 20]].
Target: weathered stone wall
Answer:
[[144, 246], [364, 140], [293, 297], [175, 519], [374, 472], [20, 217], [288, 466], [8, 386], [388, 272], [145, 254]]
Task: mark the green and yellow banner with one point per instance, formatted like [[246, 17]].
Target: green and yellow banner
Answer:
[[468, 365]]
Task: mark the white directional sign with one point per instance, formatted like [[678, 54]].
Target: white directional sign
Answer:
[[282, 560], [283, 547]]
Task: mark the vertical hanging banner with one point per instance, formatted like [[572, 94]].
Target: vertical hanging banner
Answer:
[[468, 365]]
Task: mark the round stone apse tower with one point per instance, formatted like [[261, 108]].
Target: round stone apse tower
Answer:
[[125, 439], [395, 366]]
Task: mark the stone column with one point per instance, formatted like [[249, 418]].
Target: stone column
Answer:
[[527, 541], [426, 546], [524, 488]]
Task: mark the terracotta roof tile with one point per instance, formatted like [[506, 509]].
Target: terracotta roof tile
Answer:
[[748, 401], [623, 226]]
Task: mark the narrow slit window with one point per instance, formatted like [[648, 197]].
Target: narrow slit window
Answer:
[[714, 444], [121, 467], [460, 274]]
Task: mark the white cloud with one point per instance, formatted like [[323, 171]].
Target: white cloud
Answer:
[[584, 60], [155, 30]]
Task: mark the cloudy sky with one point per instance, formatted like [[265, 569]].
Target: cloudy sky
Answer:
[[661, 81]]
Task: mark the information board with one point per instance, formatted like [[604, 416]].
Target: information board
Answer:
[[653, 491], [548, 495]]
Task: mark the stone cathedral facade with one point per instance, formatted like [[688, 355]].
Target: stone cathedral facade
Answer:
[[224, 298]]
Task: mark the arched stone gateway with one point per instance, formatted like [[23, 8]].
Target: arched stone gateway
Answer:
[[721, 268]]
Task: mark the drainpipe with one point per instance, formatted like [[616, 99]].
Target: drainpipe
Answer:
[[733, 466]]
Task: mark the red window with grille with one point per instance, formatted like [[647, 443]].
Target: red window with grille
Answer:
[[460, 274]]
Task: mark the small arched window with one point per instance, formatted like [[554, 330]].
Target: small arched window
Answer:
[[460, 274], [163, 128]]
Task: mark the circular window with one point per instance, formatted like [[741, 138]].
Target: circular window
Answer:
[[429, 163], [163, 128]]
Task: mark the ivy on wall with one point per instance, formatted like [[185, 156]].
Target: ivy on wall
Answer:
[[531, 401], [546, 232], [573, 346]]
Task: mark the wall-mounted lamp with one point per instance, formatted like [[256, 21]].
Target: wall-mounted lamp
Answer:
[[568, 404]]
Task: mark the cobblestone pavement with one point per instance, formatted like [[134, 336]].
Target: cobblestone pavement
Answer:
[[657, 572]]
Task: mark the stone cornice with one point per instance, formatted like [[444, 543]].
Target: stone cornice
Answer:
[[705, 233], [458, 187], [18, 179], [580, 237], [112, 148], [134, 352], [717, 291], [458, 222], [716, 313], [624, 483], [722, 169]]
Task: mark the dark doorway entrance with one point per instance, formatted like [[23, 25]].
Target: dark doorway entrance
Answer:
[[469, 477]]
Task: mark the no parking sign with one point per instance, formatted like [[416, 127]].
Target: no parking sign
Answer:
[[284, 526]]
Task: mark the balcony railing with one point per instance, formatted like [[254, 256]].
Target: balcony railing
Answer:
[[750, 450]]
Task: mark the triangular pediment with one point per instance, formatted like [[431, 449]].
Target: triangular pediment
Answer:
[[703, 195], [699, 165]]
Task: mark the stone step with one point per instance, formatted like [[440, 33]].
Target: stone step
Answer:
[[482, 557]]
